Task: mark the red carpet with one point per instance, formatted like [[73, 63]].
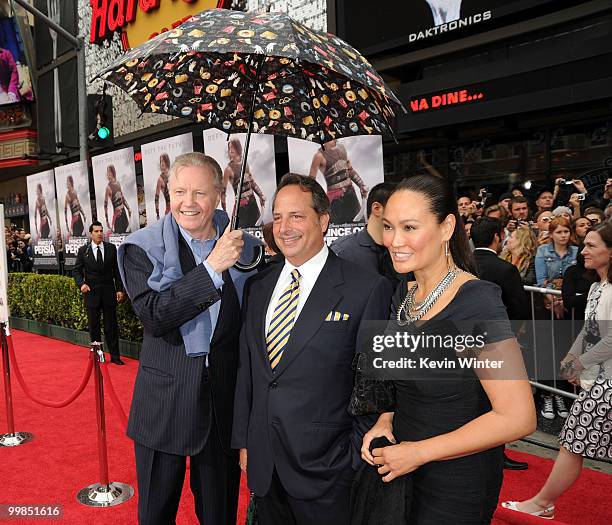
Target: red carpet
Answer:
[[63, 457], [587, 502]]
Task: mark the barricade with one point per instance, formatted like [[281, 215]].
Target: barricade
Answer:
[[534, 291], [11, 438], [105, 493]]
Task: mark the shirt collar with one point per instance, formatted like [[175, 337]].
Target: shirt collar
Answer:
[[365, 239], [313, 264], [190, 238], [485, 248]]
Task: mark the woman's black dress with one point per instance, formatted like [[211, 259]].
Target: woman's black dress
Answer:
[[456, 491]]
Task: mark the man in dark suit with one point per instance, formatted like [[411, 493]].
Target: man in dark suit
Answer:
[[365, 247], [97, 275], [296, 439], [486, 234], [178, 273]]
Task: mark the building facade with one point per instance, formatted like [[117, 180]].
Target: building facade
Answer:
[[498, 94]]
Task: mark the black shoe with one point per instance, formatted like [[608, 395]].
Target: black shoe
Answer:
[[117, 361], [510, 464]]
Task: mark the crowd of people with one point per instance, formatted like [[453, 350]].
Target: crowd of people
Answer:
[[543, 240], [19, 256]]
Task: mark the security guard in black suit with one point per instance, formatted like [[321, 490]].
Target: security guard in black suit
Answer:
[[97, 275]]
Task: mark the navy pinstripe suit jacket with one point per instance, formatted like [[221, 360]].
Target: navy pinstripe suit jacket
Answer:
[[172, 404]]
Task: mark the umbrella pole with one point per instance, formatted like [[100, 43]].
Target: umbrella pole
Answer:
[[245, 153]]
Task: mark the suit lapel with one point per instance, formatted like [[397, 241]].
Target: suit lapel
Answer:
[[186, 257], [229, 309], [107, 254], [322, 299]]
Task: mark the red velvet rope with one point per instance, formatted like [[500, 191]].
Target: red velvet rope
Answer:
[[113, 395], [52, 404]]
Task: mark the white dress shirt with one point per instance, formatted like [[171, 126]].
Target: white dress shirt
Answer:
[[309, 272], [95, 247]]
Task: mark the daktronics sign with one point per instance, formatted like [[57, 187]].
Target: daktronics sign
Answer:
[[446, 99], [141, 20]]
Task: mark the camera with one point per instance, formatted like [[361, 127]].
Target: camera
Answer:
[[568, 182]]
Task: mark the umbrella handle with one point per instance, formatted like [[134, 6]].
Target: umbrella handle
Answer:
[[259, 250], [242, 267]]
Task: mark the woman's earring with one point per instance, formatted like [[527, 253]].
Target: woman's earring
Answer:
[[447, 253]]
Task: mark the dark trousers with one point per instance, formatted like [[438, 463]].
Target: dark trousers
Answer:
[[214, 479], [111, 329], [333, 508]]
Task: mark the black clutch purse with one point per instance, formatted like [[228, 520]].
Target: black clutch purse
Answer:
[[370, 396]]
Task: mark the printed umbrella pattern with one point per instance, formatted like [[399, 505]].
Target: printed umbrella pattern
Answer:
[[221, 65]]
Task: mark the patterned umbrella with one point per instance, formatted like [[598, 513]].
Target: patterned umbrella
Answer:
[[259, 72]]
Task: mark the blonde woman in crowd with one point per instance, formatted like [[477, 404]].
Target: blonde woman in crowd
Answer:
[[520, 250]]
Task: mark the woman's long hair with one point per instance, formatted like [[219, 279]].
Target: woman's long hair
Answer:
[[604, 230], [442, 203], [526, 247]]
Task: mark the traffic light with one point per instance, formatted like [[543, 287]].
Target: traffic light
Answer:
[[100, 113]]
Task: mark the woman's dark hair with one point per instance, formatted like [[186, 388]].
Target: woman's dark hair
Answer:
[[236, 144], [604, 230], [166, 159], [442, 204]]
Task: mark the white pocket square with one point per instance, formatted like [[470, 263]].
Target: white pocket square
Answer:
[[337, 316]]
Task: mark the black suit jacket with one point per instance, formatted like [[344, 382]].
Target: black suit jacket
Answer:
[[172, 405], [105, 282], [363, 250], [507, 277], [296, 419]]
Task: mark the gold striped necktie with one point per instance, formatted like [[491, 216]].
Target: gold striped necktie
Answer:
[[283, 320]]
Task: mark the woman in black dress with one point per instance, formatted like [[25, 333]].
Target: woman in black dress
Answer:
[[450, 428]]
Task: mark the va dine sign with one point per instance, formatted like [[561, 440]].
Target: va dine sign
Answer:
[[442, 100]]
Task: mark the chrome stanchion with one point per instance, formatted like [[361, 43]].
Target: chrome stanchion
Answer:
[[11, 438], [104, 493]]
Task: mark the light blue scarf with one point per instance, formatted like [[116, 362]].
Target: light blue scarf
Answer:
[[160, 241]]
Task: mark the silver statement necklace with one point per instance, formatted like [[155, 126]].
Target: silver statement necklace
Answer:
[[411, 311]]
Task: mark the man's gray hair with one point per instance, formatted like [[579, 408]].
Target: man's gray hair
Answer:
[[197, 159]]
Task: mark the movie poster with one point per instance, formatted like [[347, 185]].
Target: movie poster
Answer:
[[43, 218], [74, 208], [347, 169], [260, 176], [114, 177], [157, 157]]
